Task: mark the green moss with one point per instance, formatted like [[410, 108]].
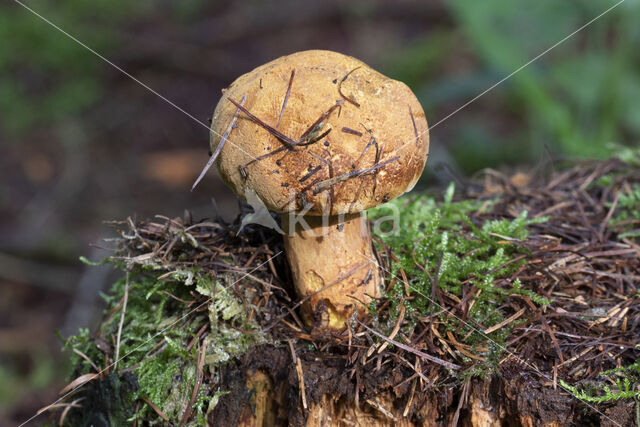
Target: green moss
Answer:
[[612, 385], [436, 242], [627, 217], [156, 333], [628, 155]]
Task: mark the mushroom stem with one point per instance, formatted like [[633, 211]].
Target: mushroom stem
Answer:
[[333, 265]]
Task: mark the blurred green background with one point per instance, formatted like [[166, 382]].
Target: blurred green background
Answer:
[[82, 143]]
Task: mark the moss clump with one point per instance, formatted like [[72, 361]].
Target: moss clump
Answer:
[[440, 237], [615, 384], [627, 217], [158, 328]]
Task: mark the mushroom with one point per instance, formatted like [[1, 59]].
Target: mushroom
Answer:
[[320, 137]]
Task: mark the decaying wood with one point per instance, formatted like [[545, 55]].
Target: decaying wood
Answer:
[[486, 405], [354, 375]]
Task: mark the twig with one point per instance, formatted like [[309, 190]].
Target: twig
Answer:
[[433, 359], [349, 175], [214, 156], [372, 141], [66, 410], [196, 386], [504, 322], [58, 406], [415, 128], [82, 379], [85, 357], [308, 137], [263, 156], [197, 336], [396, 328], [299, 371], [375, 163], [349, 99], [288, 142], [316, 126], [286, 97], [156, 409], [310, 173], [463, 398], [330, 167], [605, 221], [351, 131], [124, 309], [410, 401]]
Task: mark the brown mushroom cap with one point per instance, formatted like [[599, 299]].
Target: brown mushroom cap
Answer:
[[343, 172]]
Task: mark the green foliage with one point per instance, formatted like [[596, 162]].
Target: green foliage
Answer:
[[16, 384], [627, 218], [581, 95], [629, 155], [432, 245], [416, 62], [625, 382], [87, 261], [46, 76], [623, 389], [156, 332]]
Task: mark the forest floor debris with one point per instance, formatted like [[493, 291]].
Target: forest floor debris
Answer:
[[535, 281]]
